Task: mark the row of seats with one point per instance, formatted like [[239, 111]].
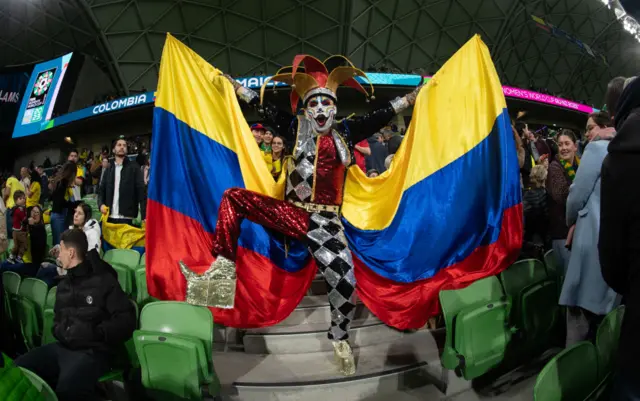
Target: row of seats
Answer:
[[583, 371], [172, 346], [502, 320]]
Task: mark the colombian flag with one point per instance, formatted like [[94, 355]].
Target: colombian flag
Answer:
[[447, 213]]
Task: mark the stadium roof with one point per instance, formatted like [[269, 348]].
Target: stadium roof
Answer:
[[561, 50]]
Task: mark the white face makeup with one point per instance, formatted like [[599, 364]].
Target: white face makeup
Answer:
[[321, 111]]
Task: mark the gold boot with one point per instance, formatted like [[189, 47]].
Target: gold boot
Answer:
[[215, 287], [344, 357]]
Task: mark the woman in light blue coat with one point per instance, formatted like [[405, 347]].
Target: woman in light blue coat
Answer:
[[584, 290]]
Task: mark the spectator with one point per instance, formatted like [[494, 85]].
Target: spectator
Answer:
[[34, 191], [19, 228], [267, 138], [619, 244], [44, 184], [361, 151], [47, 162], [393, 144], [80, 174], [25, 179], [4, 240], [61, 199], [83, 221], [258, 133], [122, 189], [11, 186], [99, 173], [92, 317], [536, 214], [534, 147], [562, 171], [277, 156], [584, 291], [372, 173], [378, 153]]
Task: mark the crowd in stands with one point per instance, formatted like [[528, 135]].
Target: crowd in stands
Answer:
[[579, 200], [373, 155]]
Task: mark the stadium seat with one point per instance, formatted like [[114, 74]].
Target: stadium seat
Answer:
[[570, 375], [535, 304], [11, 284], [174, 345], [125, 257], [607, 339], [553, 265], [46, 393], [125, 277], [477, 334], [47, 317], [142, 295], [32, 297]]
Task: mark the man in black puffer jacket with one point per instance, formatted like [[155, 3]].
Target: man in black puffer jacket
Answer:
[[93, 317]]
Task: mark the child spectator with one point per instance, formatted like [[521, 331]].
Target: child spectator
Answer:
[[19, 228], [536, 214]]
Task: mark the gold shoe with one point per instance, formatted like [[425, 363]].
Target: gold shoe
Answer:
[[215, 287], [344, 357]]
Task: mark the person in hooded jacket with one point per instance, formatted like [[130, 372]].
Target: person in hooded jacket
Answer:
[[619, 242], [92, 318]]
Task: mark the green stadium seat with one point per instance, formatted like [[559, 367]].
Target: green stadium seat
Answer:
[[11, 284], [142, 295], [47, 317], [535, 303], [124, 257], [31, 301], [174, 345], [553, 265], [570, 375], [607, 339], [477, 333], [125, 277], [43, 388]]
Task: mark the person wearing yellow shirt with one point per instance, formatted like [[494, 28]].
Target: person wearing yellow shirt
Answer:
[[34, 191], [11, 186], [277, 156]]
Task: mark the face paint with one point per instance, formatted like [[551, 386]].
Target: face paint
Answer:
[[321, 111]]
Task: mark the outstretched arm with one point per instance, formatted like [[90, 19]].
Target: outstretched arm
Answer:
[[279, 120], [362, 127]]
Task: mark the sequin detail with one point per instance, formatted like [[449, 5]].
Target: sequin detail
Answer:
[[399, 104], [343, 356], [216, 287]]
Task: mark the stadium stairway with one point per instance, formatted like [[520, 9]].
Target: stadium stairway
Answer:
[[294, 360]]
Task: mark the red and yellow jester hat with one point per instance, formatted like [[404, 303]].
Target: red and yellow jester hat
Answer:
[[317, 78]]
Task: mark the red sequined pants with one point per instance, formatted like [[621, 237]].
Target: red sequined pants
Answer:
[[239, 203]]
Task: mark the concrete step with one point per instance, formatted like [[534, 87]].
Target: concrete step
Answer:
[[306, 338], [318, 287], [321, 314], [408, 361]]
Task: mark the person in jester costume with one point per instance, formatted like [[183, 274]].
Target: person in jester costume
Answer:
[[315, 176]]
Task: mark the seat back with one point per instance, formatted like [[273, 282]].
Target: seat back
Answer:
[[171, 365], [142, 295], [35, 290], [481, 337], [479, 293], [553, 265], [43, 388], [179, 318], [522, 274], [124, 257], [51, 298], [30, 318], [124, 277], [607, 339], [570, 375], [11, 282]]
